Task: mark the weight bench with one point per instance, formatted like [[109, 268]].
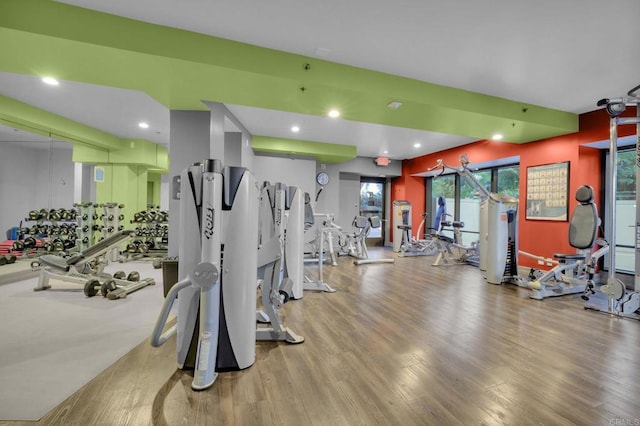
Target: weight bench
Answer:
[[87, 268]]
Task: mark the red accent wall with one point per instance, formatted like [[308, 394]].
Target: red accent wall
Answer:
[[539, 237]]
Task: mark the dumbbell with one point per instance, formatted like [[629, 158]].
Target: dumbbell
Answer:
[[29, 242], [54, 215], [17, 246]]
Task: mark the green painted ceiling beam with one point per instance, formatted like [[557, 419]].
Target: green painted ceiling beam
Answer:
[[323, 152], [181, 68], [26, 117]]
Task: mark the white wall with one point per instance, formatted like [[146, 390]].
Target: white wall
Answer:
[[33, 177], [294, 172], [349, 200]]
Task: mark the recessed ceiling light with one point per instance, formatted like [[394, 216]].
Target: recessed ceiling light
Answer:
[[143, 125], [497, 137], [385, 152], [334, 113], [416, 145], [50, 81], [394, 105], [295, 129]]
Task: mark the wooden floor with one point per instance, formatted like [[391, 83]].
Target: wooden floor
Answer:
[[397, 344]]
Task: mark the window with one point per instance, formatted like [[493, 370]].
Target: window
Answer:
[[461, 198]]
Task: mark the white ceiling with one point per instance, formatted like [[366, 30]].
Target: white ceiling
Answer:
[[558, 54]]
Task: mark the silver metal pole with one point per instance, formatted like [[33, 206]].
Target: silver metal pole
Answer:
[[611, 196]]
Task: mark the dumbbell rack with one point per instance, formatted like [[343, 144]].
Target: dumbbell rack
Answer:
[[152, 231], [54, 231], [111, 217], [87, 225]]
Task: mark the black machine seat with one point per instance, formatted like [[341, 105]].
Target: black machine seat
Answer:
[[563, 257], [583, 226], [66, 263], [453, 224]]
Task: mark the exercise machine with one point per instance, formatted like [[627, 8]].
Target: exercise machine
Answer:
[[403, 242], [276, 289], [320, 231], [574, 272], [620, 301], [87, 268], [497, 246], [354, 244], [217, 271], [452, 251]]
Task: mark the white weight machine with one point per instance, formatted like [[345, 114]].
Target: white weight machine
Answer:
[[217, 271], [319, 234], [497, 244], [403, 242], [573, 272], [276, 288], [620, 301], [354, 244]]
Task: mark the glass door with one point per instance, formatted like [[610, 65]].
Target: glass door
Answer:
[[372, 196]]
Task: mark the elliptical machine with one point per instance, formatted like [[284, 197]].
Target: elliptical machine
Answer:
[[620, 301], [217, 271]]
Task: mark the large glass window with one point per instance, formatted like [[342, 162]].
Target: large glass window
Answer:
[[443, 203], [442, 189], [508, 180], [470, 205], [625, 210]]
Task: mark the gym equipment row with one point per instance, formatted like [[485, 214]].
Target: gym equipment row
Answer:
[[87, 268]]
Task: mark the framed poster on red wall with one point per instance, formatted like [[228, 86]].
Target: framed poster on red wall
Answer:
[[548, 192]]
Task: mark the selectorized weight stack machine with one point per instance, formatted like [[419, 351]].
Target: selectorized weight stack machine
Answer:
[[217, 271], [620, 301]]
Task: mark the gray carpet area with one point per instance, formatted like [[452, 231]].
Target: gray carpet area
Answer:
[[53, 342]]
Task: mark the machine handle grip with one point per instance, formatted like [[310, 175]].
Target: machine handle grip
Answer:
[[157, 337]]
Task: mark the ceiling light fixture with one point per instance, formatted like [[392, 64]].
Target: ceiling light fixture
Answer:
[[497, 137], [143, 125], [385, 152], [334, 113], [416, 145], [295, 129], [394, 105], [50, 81]]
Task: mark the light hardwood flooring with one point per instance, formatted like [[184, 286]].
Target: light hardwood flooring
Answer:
[[397, 344]]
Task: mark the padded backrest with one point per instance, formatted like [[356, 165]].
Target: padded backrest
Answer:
[[584, 222], [360, 222], [375, 221], [440, 212]]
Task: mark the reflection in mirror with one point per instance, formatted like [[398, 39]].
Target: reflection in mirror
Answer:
[[36, 172]]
